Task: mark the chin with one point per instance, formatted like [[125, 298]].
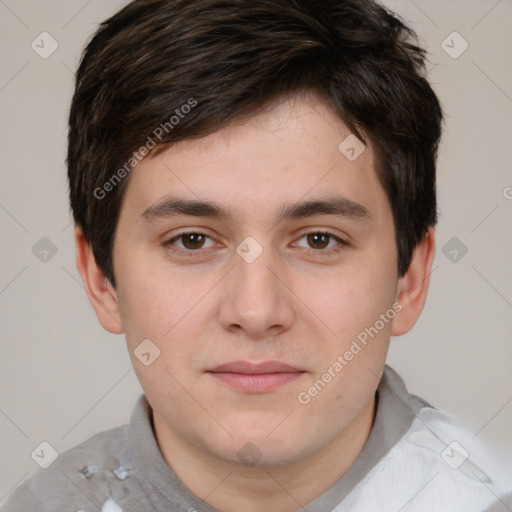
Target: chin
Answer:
[[257, 449]]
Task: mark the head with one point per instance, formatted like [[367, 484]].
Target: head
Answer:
[[223, 214]]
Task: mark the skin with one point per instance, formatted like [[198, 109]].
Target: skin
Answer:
[[300, 302]]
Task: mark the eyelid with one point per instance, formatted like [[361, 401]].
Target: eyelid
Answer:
[[178, 237], [169, 243], [341, 242], [322, 231]]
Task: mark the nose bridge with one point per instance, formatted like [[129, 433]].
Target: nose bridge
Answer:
[[256, 281], [255, 300]]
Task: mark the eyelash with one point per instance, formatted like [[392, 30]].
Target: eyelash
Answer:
[[169, 244]]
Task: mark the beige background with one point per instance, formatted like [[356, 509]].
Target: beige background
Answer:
[[62, 378]]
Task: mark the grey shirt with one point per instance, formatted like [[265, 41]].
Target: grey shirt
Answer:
[[125, 464]]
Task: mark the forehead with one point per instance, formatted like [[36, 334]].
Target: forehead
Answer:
[[296, 150]]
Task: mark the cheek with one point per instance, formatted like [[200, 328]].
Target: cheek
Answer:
[[360, 310], [352, 298], [149, 309], [153, 309], [154, 297], [146, 309], [170, 309]]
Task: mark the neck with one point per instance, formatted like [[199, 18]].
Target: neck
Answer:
[[230, 486]]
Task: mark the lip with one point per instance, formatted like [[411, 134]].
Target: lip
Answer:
[[256, 377], [247, 368]]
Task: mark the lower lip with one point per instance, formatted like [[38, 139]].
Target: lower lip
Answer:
[[256, 383]]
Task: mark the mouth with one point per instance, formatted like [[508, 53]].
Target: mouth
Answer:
[[256, 378]]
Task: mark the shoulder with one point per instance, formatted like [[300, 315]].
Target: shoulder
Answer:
[[436, 465], [461, 470], [83, 477]]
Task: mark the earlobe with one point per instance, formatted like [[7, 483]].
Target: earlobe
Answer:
[[413, 285], [100, 292]]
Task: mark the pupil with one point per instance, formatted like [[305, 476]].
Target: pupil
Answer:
[[193, 241], [318, 240]]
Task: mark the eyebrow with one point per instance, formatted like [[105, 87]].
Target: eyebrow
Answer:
[[340, 206], [172, 207]]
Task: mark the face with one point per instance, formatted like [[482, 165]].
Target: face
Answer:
[[254, 259]]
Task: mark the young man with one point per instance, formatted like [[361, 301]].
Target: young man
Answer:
[[253, 186]]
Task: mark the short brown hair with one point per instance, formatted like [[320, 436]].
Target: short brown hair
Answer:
[[226, 59]]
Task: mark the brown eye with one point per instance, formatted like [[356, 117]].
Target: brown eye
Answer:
[[192, 240], [318, 240], [322, 242]]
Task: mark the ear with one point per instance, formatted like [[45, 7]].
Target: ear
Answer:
[[100, 292], [413, 285]]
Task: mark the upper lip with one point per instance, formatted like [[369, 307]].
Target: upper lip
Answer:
[[255, 368]]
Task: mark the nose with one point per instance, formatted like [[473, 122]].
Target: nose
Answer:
[[255, 301]]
